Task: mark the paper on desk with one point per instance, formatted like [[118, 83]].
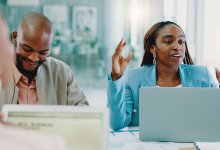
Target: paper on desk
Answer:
[[123, 137], [188, 148], [117, 140], [208, 145], [127, 129], [150, 146]]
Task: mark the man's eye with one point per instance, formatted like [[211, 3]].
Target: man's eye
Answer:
[[43, 53], [26, 49]]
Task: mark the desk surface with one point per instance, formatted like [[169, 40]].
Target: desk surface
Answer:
[[128, 139]]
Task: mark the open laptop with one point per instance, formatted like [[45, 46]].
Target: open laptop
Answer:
[[179, 114], [83, 128]]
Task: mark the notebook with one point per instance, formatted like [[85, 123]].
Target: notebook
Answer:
[[179, 114], [83, 128]]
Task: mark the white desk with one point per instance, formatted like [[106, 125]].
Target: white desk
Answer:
[[128, 139]]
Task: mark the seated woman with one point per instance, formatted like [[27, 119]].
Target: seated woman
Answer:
[[166, 63]]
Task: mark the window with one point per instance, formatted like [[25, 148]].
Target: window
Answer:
[[211, 37]]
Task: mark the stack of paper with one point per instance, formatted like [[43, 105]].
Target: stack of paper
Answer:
[[208, 145], [157, 146]]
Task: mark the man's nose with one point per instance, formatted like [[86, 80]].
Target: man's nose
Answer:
[[34, 57]]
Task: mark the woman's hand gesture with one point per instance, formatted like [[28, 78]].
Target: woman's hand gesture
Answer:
[[119, 63]]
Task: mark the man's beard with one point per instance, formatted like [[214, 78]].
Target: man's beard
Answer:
[[30, 74]]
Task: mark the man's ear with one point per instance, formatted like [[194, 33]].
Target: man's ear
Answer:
[[14, 38]]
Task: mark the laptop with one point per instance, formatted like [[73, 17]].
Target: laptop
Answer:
[[179, 114], [83, 128]]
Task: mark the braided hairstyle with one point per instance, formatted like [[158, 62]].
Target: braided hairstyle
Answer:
[[150, 40]]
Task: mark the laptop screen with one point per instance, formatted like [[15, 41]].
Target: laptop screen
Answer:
[[179, 114], [82, 130]]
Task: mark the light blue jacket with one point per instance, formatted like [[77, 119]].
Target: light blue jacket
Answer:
[[123, 94]]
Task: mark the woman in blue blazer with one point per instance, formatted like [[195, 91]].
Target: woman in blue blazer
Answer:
[[166, 63]]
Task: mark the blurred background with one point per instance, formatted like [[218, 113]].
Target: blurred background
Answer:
[[86, 32]]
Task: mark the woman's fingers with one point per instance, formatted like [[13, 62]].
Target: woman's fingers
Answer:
[[120, 46], [118, 50], [128, 58]]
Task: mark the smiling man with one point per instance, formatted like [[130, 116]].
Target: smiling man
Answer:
[[36, 78]]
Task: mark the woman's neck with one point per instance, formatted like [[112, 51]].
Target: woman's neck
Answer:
[[168, 76]]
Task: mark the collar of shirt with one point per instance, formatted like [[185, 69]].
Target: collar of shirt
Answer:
[[19, 78]]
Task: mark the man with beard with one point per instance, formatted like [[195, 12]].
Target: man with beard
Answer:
[[12, 137], [36, 78]]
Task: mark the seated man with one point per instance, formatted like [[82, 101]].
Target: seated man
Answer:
[[11, 137], [36, 78]]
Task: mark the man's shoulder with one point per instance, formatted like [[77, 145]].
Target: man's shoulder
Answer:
[[54, 63], [52, 60]]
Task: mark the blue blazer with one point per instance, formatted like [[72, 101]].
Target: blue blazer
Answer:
[[123, 94]]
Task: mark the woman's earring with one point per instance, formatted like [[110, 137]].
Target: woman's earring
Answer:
[[154, 58], [15, 43]]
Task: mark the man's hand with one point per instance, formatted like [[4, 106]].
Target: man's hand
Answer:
[[2, 122], [119, 63], [6, 53]]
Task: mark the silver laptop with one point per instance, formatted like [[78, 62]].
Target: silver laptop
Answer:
[[179, 114], [83, 128]]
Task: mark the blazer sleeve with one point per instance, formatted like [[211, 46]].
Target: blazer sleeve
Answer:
[[212, 79], [120, 102]]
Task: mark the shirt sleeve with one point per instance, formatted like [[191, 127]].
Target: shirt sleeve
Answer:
[[213, 82]]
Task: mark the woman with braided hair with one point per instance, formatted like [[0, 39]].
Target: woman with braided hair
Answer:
[[166, 63]]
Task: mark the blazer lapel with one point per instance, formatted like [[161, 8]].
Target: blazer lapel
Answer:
[[188, 79], [150, 76]]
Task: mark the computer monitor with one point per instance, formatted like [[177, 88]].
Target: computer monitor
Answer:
[[83, 128]]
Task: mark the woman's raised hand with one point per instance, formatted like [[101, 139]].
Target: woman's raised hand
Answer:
[[119, 62]]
